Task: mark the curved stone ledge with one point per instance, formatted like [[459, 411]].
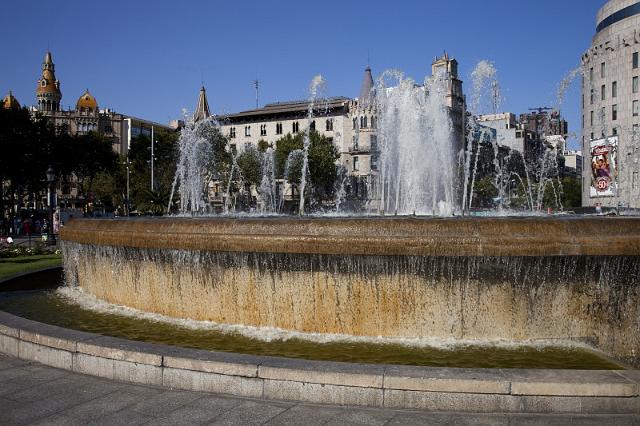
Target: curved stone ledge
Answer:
[[439, 389], [390, 236]]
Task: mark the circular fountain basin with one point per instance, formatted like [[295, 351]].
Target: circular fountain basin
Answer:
[[491, 279], [387, 386]]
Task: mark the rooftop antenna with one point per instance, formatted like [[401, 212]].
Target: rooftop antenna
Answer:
[[256, 84]]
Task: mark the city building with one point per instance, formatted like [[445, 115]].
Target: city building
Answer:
[[573, 163], [611, 107], [87, 116], [545, 122], [350, 123], [509, 132], [10, 101]]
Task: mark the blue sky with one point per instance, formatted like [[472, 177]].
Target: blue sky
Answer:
[[148, 58]]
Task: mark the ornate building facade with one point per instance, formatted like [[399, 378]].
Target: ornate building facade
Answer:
[[350, 123], [611, 108], [86, 116]]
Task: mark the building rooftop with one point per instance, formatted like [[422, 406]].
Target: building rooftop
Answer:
[[289, 107]]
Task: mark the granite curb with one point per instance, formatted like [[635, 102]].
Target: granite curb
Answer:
[[387, 386]]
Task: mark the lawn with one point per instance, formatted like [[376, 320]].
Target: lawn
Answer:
[[18, 265]]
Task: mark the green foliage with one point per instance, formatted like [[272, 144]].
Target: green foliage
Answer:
[[250, 165], [571, 192], [322, 158], [263, 145], [323, 170], [284, 146], [164, 168], [484, 192]]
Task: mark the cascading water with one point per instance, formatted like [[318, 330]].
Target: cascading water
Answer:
[[416, 146], [268, 184], [195, 161], [317, 85], [485, 86]]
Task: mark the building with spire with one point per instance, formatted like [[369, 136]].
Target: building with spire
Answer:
[[48, 91], [351, 123], [202, 109], [10, 101], [86, 116]]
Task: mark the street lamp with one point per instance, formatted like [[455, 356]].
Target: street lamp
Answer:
[[51, 177]]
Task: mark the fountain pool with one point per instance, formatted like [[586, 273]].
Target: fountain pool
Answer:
[[471, 281]]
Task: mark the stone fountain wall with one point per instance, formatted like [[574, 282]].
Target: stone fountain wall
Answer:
[[348, 276]]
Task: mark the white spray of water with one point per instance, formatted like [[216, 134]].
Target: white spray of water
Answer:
[[416, 142], [317, 85], [194, 167]]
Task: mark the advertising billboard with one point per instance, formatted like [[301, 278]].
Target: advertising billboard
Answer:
[[604, 167]]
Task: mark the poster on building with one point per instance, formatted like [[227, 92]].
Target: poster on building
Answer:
[[604, 167]]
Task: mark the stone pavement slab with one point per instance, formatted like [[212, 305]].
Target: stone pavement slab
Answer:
[[41, 395]]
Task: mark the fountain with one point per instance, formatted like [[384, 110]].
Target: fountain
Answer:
[[494, 279], [404, 280], [518, 280]]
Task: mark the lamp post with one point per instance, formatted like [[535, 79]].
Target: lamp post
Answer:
[[51, 176]]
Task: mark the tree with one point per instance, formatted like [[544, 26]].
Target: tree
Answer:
[[165, 153], [284, 146], [323, 170], [250, 165], [263, 145], [571, 192], [322, 156]]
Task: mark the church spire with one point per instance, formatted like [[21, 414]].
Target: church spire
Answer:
[[202, 110], [366, 89], [48, 91]]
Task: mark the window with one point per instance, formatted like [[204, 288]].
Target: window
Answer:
[[373, 142], [312, 126], [591, 118], [278, 128], [593, 96], [355, 123], [615, 131], [354, 142], [634, 108], [247, 130], [295, 127], [602, 115], [247, 146], [355, 164], [614, 112], [373, 122], [365, 122], [374, 162], [602, 70], [592, 136], [591, 74], [614, 89], [635, 133], [234, 150], [329, 125], [634, 85], [263, 130], [603, 92], [232, 133], [635, 60]]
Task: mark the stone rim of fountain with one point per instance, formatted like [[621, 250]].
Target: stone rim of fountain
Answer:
[[396, 387], [417, 236]]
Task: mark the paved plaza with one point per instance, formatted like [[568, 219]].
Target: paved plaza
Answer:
[[31, 393]]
